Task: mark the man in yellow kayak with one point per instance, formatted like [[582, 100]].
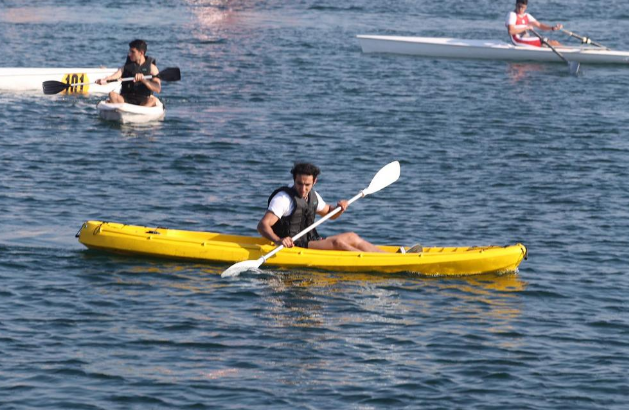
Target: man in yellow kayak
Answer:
[[138, 65], [291, 209], [519, 22]]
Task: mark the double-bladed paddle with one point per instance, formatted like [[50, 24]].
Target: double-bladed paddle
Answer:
[[584, 40], [167, 74], [385, 177], [573, 66]]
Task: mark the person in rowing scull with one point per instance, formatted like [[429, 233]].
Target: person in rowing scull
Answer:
[[519, 22], [140, 90], [291, 209]]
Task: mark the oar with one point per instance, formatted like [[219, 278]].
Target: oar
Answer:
[[584, 40], [573, 66], [167, 74], [385, 177]]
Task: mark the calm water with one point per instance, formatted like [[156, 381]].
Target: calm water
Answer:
[[491, 153]]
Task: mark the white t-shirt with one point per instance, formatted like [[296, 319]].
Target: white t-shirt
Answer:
[[519, 22], [282, 204]]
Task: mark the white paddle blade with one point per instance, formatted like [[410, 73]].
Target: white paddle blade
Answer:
[[241, 267], [574, 67], [385, 177]]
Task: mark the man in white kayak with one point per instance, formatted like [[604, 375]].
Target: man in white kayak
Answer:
[[140, 90], [519, 22], [291, 209]]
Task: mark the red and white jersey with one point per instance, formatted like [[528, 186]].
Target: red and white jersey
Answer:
[[521, 21]]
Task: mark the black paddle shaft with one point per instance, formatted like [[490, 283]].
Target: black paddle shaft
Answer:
[[543, 40], [584, 40], [572, 65], [55, 87]]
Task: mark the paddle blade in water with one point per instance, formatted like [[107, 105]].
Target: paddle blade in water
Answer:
[[574, 67], [241, 267], [54, 87], [170, 74]]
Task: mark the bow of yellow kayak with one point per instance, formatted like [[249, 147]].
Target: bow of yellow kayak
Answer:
[[217, 247]]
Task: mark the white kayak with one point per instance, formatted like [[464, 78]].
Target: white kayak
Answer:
[[130, 113], [27, 79], [486, 49]]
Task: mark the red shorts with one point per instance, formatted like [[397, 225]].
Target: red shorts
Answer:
[[527, 41]]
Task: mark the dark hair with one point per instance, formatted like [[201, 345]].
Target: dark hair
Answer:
[[305, 168], [524, 2], [140, 45]]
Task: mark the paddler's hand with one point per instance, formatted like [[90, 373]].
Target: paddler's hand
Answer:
[[343, 204], [139, 77], [101, 81], [287, 242], [558, 26]]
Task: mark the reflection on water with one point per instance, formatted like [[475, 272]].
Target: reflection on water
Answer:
[[303, 298], [22, 15], [296, 297], [88, 14], [506, 282], [210, 15], [148, 131], [211, 12], [195, 278], [522, 71]]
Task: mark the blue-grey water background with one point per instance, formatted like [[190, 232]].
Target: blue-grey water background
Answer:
[[491, 153]]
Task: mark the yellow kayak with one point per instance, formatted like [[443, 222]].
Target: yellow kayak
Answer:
[[217, 247]]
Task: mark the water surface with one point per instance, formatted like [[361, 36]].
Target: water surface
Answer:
[[491, 153]]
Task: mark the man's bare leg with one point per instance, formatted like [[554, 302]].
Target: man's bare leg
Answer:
[[115, 98], [150, 102], [347, 241]]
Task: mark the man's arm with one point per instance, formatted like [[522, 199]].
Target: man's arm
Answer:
[[546, 27], [328, 208], [512, 30], [114, 76], [265, 228], [154, 84]]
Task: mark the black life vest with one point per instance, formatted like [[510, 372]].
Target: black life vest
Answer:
[[302, 216], [130, 69]]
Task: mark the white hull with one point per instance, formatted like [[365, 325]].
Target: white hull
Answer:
[[27, 79], [485, 49], [130, 113]]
